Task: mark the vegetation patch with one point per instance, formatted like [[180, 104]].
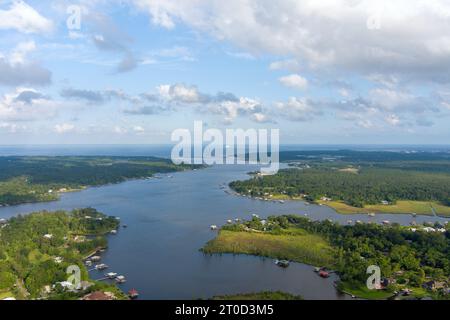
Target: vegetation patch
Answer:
[[37, 179], [304, 248], [414, 261], [265, 295], [37, 249]]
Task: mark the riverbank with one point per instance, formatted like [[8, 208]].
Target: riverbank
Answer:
[[293, 245], [37, 249], [260, 296], [42, 179], [400, 207], [404, 263]]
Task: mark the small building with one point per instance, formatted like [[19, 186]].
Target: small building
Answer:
[[58, 260], [434, 285], [48, 236], [385, 202]]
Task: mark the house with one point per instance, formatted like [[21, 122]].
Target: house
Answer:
[[66, 285], [58, 260], [385, 202], [48, 236], [325, 199], [429, 229], [434, 285]]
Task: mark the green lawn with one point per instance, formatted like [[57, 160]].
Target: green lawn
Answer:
[[407, 207], [266, 295], [301, 247], [365, 293], [4, 295]]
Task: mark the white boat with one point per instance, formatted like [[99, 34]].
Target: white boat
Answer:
[[111, 275], [120, 279], [213, 227], [101, 266]]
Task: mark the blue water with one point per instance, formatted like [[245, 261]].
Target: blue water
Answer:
[[168, 222]]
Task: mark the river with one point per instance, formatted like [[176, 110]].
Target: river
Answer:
[[168, 222]]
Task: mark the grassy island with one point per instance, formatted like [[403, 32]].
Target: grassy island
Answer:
[[37, 249]]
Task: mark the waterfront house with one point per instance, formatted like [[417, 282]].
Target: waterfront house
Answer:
[[434, 285]]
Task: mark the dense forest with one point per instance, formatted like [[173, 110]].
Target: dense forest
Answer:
[[407, 257], [31, 244], [357, 178], [368, 186], [32, 179]]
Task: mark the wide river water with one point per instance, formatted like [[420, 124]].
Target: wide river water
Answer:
[[168, 222]]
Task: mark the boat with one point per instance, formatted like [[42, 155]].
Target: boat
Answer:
[[229, 221], [282, 263], [213, 227], [386, 222], [133, 294], [113, 232], [371, 214], [111, 275], [88, 263], [324, 274], [95, 258], [124, 226], [120, 279], [101, 266]]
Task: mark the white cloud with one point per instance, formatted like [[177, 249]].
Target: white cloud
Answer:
[[294, 81], [24, 18], [298, 109], [412, 39], [393, 120], [180, 93], [138, 130], [26, 104], [15, 69], [289, 65], [64, 128]]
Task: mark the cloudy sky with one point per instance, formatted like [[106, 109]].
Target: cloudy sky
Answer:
[[132, 71]]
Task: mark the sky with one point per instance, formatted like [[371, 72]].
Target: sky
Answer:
[[133, 71]]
